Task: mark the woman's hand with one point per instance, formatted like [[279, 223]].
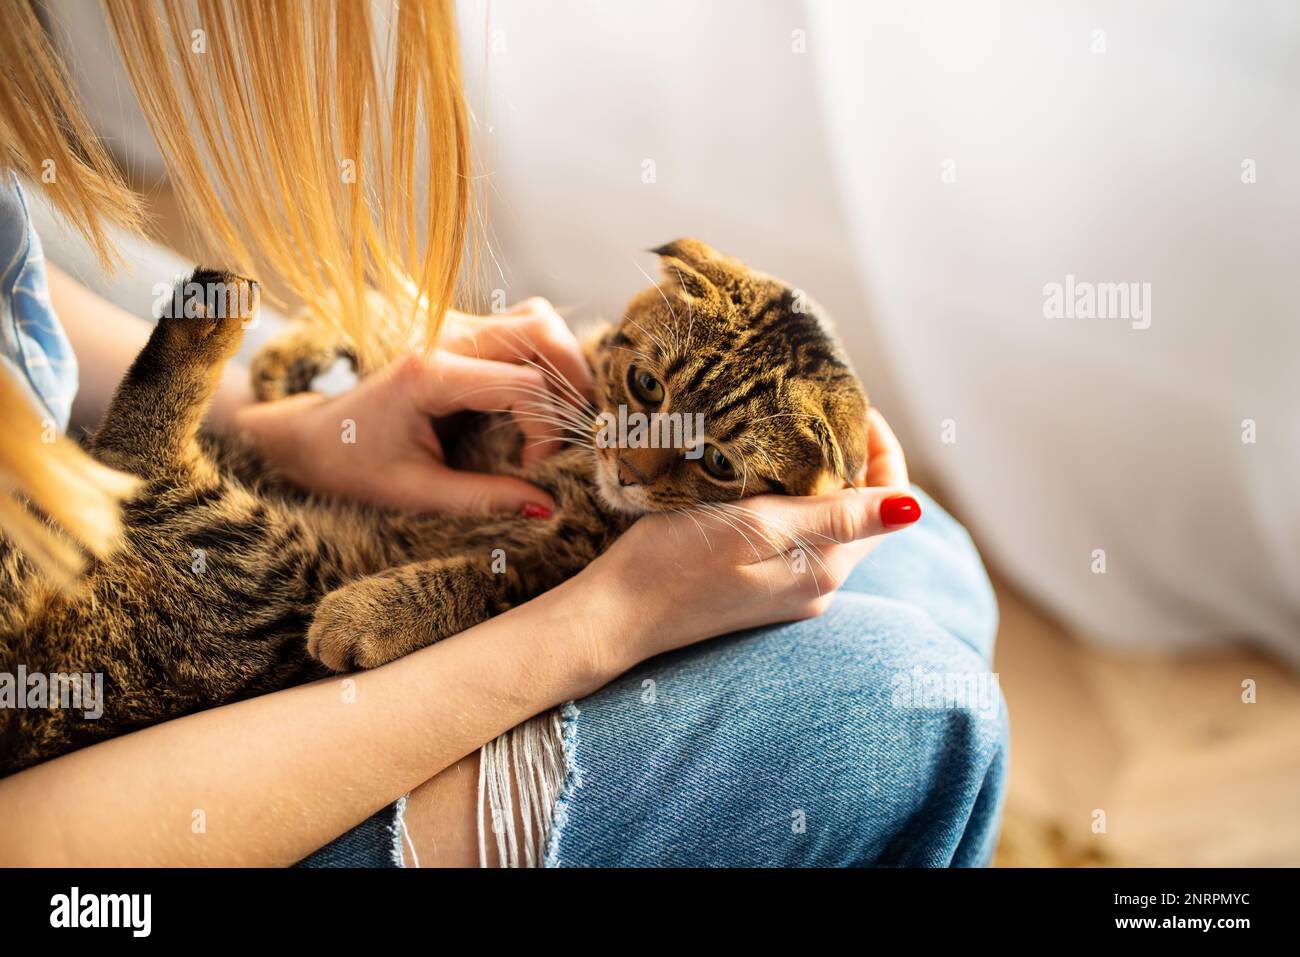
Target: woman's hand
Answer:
[[531, 332], [674, 579], [378, 442]]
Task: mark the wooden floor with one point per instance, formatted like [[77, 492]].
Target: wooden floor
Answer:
[[1184, 771]]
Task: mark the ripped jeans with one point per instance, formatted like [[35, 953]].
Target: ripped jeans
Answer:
[[873, 735]]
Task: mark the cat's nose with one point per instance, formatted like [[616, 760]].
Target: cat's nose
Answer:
[[627, 473]]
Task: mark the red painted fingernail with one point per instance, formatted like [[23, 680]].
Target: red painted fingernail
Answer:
[[899, 510], [533, 510]]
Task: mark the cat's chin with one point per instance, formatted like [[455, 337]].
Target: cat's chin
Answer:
[[616, 498]]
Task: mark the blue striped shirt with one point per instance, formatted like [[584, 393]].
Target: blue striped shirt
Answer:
[[32, 342]]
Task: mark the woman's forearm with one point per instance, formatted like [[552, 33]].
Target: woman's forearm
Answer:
[[106, 338], [269, 780], [273, 778]]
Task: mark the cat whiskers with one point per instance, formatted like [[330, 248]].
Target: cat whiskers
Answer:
[[546, 406], [671, 311], [543, 408], [664, 351], [690, 316], [744, 469], [745, 441], [636, 354], [559, 404], [791, 532], [690, 513], [560, 431], [739, 526], [690, 327], [578, 427], [551, 373]]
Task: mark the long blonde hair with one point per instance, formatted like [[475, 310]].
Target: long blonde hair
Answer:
[[293, 134]]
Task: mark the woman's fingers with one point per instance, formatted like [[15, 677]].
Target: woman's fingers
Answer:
[[528, 332], [451, 383], [476, 493], [802, 549], [822, 521], [885, 462]]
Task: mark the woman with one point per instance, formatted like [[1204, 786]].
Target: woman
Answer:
[[800, 743]]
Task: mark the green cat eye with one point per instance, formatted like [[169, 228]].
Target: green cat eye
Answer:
[[717, 464], [644, 386]]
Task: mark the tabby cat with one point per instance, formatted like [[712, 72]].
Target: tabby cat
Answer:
[[231, 583]]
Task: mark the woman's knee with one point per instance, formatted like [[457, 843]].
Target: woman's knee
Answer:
[[820, 742], [935, 567], [912, 718]]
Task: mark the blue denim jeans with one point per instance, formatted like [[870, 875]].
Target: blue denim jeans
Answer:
[[873, 735]]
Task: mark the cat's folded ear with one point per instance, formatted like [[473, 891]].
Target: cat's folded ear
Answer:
[[697, 269], [841, 431]]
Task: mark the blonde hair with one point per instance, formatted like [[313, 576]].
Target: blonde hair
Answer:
[[293, 134], [46, 136], [41, 467]]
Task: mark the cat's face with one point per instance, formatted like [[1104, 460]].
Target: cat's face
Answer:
[[753, 391]]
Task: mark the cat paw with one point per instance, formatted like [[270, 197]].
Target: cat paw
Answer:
[[348, 632], [207, 314]]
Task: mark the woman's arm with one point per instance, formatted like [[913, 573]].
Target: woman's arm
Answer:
[[278, 776], [500, 362]]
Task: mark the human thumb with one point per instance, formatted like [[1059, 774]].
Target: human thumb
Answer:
[[476, 493]]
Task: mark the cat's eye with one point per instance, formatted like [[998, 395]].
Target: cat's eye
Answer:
[[717, 464], [644, 386]]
